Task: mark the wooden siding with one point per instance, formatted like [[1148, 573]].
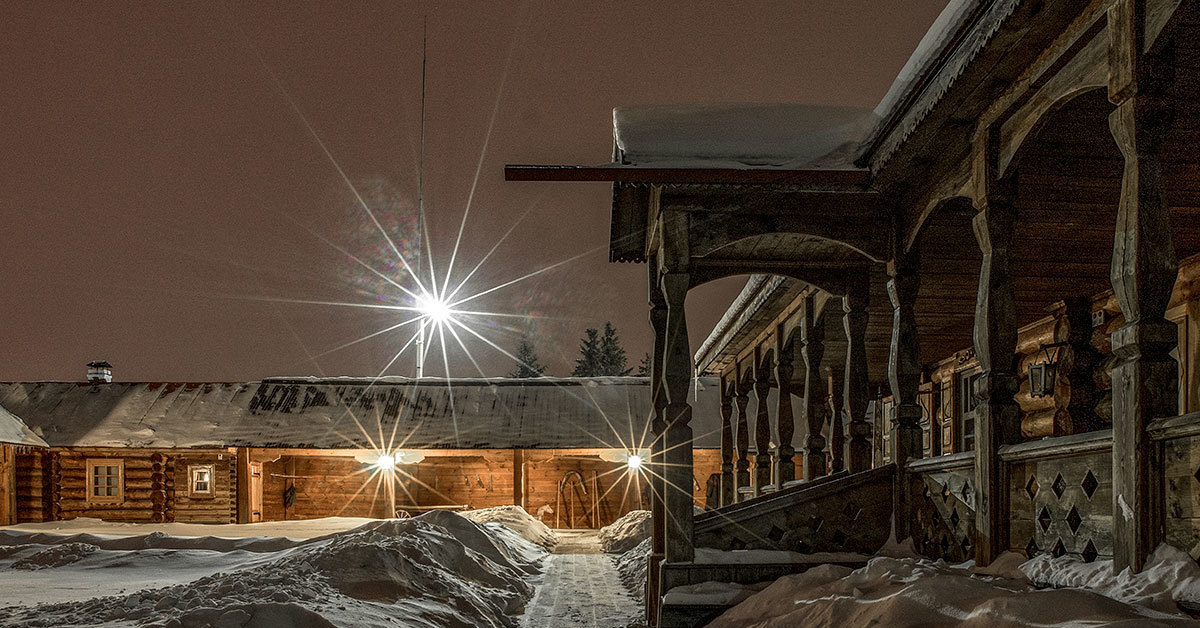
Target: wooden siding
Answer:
[[8, 484], [33, 486]]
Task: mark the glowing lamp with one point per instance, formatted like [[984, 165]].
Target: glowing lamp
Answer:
[[435, 309], [634, 463], [385, 462]]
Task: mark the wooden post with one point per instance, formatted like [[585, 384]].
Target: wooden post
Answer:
[[742, 477], [997, 417], [904, 376], [677, 372], [762, 423], [519, 478], [855, 317], [812, 335], [727, 485], [783, 377], [1143, 274], [243, 485], [1077, 367]]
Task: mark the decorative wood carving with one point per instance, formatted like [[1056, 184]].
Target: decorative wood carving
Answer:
[[677, 449], [837, 432], [784, 370], [742, 477], [762, 423], [727, 486], [904, 375]]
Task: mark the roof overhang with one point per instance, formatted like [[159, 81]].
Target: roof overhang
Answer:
[[622, 173]]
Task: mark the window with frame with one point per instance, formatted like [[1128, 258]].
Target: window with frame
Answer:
[[106, 480], [968, 386], [200, 480]]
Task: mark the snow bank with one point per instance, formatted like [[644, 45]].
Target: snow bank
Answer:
[[919, 592], [710, 556], [625, 533], [436, 570], [516, 519], [632, 567], [715, 593], [1170, 575]]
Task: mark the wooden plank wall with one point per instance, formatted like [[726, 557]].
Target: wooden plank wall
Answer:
[[1181, 485], [342, 486]]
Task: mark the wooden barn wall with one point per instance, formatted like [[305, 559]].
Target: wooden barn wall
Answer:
[[342, 486], [52, 485], [1181, 486]]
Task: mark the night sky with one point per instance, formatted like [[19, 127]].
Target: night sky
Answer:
[[165, 208]]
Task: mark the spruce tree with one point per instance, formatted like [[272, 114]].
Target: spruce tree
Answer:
[[612, 354], [588, 364], [527, 361], [644, 367]]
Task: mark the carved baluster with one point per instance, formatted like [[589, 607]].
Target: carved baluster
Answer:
[[783, 376], [1144, 270], [813, 337], [857, 392], [904, 376], [742, 475], [762, 426], [727, 486], [658, 426], [677, 372], [837, 434]]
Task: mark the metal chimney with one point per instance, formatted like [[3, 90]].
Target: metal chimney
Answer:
[[99, 372]]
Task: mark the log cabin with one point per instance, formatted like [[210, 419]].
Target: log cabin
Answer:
[[979, 297], [299, 448]]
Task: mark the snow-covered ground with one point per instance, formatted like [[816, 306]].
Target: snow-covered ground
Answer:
[[437, 570]]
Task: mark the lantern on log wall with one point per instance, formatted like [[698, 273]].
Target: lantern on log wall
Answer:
[[1042, 374]]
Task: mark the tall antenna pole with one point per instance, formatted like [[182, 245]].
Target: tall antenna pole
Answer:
[[421, 193]]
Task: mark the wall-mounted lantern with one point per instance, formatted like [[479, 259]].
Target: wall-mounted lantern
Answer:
[[1042, 374]]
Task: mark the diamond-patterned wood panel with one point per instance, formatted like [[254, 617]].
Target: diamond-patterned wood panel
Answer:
[[851, 513], [1181, 484], [1062, 506], [944, 513]]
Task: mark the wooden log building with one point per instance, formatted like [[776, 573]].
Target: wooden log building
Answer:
[[303, 448], [982, 308]]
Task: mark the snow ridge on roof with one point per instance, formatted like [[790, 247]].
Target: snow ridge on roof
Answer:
[[741, 135], [354, 413]]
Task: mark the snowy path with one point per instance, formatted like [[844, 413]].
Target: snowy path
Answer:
[[581, 589]]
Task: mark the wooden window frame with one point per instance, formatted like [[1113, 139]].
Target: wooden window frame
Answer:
[[89, 487], [212, 480], [959, 400]]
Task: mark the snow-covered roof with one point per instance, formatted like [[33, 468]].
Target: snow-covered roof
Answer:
[[13, 430], [785, 136], [354, 413]]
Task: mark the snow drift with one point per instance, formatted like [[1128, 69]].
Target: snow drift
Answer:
[[516, 519], [625, 533], [920, 592], [437, 570], [632, 566]]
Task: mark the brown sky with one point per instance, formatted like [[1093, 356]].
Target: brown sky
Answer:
[[157, 185]]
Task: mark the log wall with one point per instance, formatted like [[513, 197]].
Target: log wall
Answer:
[[52, 484], [8, 484]]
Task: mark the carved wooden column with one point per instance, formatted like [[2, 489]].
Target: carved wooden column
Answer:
[[783, 377], [677, 372], [904, 376], [742, 473], [837, 433], [812, 335], [857, 392], [1145, 384], [727, 486], [762, 425], [997, 417]]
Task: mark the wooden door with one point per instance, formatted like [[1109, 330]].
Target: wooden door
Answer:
[[8, 487], [256, 491]]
